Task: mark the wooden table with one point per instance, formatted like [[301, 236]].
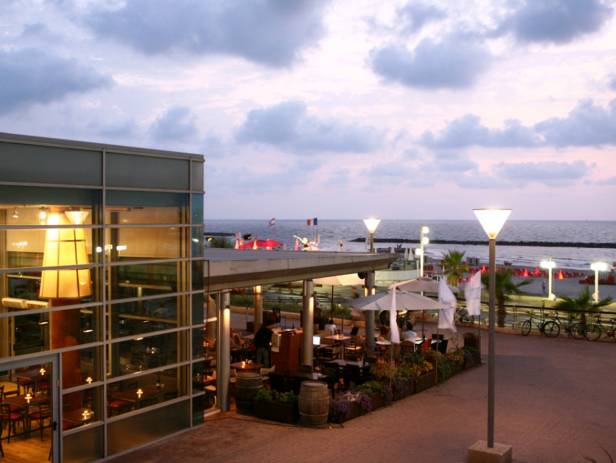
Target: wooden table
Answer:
[[339, 340]]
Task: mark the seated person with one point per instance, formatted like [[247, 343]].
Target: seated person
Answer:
[[236, 340], [383, 334], [408, 334], [330, 327]]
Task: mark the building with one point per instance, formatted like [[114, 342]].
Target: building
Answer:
[[101, 289]]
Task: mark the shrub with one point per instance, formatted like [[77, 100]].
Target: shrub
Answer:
[[383, 371]]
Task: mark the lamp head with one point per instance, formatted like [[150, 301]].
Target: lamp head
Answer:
[[418, 252], [599, 266], [372, 224], [492, 220], [425, 240], [425, 230], [547, 264]]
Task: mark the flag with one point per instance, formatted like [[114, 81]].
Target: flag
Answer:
[[272, 222], [447, 298], [315, 221], [472, 293], [296, 245], [308, 222]]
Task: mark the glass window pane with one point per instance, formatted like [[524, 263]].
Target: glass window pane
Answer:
[[152, 425], [129, 281], [30, 333], [84, 446], [132, 207], [27, 198], [201, 405], [197, 176], [82, 367], [143, 353], [81, 408], [46, 164], [126, 244], [204, 376], [198, 343], [143, 391], [49, 247], [197, 274], [197, 242], [198, 309], [125, 170], [139, 317], [197, 210]]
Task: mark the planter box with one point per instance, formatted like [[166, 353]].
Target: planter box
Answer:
[[403, 388], [276, 411], [354, 410], [423, 382]]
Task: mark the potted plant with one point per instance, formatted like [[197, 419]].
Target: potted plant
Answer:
[[403, 383], [276, 406], [345, 407], [456, 360], [423, 374]]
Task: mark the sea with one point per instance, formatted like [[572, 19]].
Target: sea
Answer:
[[331, 232]]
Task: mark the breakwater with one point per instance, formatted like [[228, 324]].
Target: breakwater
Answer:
[[546, 244]]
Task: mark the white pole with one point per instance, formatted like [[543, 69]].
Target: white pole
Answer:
[[550, 295], [596, 293]]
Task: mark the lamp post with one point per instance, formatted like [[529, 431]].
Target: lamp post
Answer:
[[598, 267], [423, 241], [492, 221], [371, 224], [550, 265]]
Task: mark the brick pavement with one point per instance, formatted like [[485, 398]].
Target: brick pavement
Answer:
[[556, 402]]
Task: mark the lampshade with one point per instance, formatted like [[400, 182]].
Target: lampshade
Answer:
[[492, 220], [425, 240], [65, 246], [599, 266], [547, 264], [372, 224], [425, 230]]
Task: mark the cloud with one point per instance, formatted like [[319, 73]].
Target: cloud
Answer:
[[288, 126], [468, 131], [270, 32], [32, 76], [175, 124], [555, 21], [612, 82], [415, 15], [607, 182], [548, 173], [586, 125], [454, 62], [447, 163]]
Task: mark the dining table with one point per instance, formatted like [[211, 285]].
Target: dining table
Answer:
[[247, 366]]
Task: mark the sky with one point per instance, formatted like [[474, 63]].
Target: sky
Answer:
[[335, 109]]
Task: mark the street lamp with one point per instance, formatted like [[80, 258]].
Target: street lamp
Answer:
[[598, 267], [492, 221], [371, 224], [423, 241], [550, 265]]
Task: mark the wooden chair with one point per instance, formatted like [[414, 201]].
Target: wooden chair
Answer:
[[12, 393], [1, 429], [40, 413], [12, 416]]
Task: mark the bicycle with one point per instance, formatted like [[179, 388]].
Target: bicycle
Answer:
[[547, 327]]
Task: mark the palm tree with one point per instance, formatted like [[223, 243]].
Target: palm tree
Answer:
[[454, 267], [581, 304], [505, 287]]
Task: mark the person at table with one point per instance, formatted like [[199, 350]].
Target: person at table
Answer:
[[330, 327], [262, 340], [407, 333], [383, 334]]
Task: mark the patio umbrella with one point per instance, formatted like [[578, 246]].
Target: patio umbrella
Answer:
[[395, 300], [421, 285], [351, 279]]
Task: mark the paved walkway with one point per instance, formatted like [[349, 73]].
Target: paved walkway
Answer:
[[556, 402]]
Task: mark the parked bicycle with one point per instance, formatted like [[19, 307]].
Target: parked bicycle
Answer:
[[547, 327]]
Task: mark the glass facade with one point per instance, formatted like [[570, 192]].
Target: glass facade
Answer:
[[101, 265]]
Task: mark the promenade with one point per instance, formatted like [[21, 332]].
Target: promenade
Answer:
[[555, 403]]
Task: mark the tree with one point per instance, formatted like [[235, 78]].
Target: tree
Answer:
[[581, 304], [454, 266], [505, 287]]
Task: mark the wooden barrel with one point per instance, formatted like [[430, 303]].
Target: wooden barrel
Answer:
[[313, 403], [247, 385]]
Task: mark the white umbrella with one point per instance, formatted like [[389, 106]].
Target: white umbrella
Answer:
[[403, 301], [418, 285]]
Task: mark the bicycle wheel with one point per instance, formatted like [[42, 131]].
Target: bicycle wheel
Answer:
[[593, 332], [551, 329], [525, 328], [578, 330]]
